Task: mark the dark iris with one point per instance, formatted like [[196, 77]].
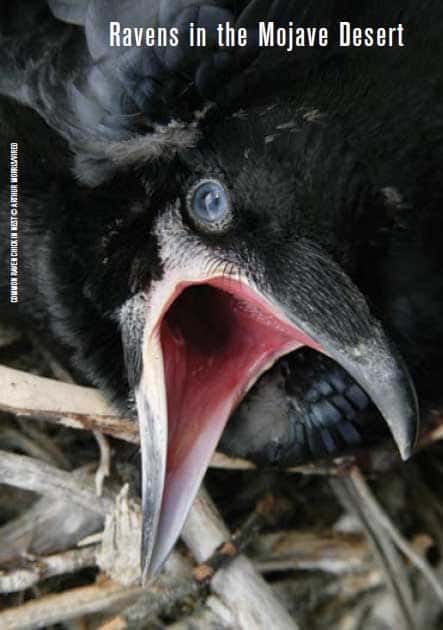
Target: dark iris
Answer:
[[209, 205]]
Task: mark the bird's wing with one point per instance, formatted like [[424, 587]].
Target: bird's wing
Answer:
[[117, 105]]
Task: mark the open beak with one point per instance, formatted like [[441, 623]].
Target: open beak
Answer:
[[207, 340]]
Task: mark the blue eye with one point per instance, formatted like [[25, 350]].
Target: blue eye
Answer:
[[209, 205]]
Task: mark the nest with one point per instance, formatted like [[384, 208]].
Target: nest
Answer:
[[352, 544]]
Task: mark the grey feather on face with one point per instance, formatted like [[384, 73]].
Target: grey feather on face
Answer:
[[99, 160], [132, 321]]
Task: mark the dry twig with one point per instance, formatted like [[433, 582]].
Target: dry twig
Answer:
[[50, 525], [394, 534], [41, 568], [327, 551], [68, 605], [382, 546], [73, 406], [31, 474], [239, 587]]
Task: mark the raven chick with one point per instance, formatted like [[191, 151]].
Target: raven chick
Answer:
[[200, 223]]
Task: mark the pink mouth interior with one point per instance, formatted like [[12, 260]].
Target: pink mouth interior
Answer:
[[216, 338]]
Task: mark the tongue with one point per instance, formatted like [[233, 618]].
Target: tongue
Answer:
[[216, 341]]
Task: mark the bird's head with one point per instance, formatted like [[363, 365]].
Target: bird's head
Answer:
[[252, 230]]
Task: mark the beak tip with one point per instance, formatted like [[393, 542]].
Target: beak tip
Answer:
[[407, 445], [406, 451], [148, 575], [150, 567], [147, 578], [146, 567]]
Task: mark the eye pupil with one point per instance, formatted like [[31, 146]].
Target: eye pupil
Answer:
[[213, 202], [210, 201], [209, 206]]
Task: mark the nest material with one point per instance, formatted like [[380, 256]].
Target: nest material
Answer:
[[311, 547]]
